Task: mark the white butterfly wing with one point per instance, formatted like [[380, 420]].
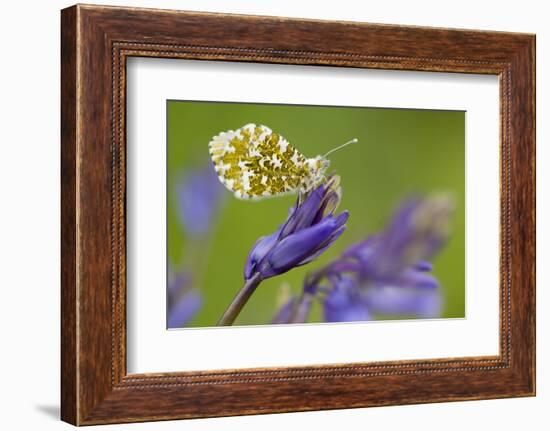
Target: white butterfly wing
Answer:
[[254, 162]]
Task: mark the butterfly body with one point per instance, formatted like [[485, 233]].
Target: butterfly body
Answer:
[[254, 163]]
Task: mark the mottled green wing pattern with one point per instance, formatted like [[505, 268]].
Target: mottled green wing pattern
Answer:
[[254, 162]]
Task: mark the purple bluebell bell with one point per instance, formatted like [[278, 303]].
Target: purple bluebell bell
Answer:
[[344, 302], [183, 301], [308, 231], [199, 195], [388, 273], [417, 231], [402, 300]]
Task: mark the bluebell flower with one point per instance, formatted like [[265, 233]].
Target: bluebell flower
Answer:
[[411, 293], [403, 300], [308, 231], [183, 300], [389, 273], [345, 302], [199, 195], [417, 231]]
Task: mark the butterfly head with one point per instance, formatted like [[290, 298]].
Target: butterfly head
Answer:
[[316, 168]]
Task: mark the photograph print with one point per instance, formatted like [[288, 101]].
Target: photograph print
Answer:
[[298, 214]]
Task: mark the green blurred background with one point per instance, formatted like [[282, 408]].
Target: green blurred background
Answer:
[[400, 152]]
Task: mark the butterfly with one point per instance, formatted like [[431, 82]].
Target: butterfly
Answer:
[[254, 162]]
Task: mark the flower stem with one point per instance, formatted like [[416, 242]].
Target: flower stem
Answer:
[[240, 300]]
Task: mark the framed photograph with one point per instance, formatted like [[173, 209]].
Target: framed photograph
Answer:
[[288, 207]]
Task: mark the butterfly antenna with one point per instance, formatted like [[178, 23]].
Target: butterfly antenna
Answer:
[[353, 141]]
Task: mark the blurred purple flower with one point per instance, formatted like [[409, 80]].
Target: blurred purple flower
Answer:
[[345, 302], [308, 231], [183, 301], [199, 195], [400, 300], [388, 273], [295, 310], [415, 234], [184, 309]]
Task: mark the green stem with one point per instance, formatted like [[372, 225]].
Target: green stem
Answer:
[[240, 300]]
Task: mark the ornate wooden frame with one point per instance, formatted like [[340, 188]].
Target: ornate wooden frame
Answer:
[[95, 43]]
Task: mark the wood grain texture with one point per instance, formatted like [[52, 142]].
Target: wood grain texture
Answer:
[[96, 41], [69, 397]]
